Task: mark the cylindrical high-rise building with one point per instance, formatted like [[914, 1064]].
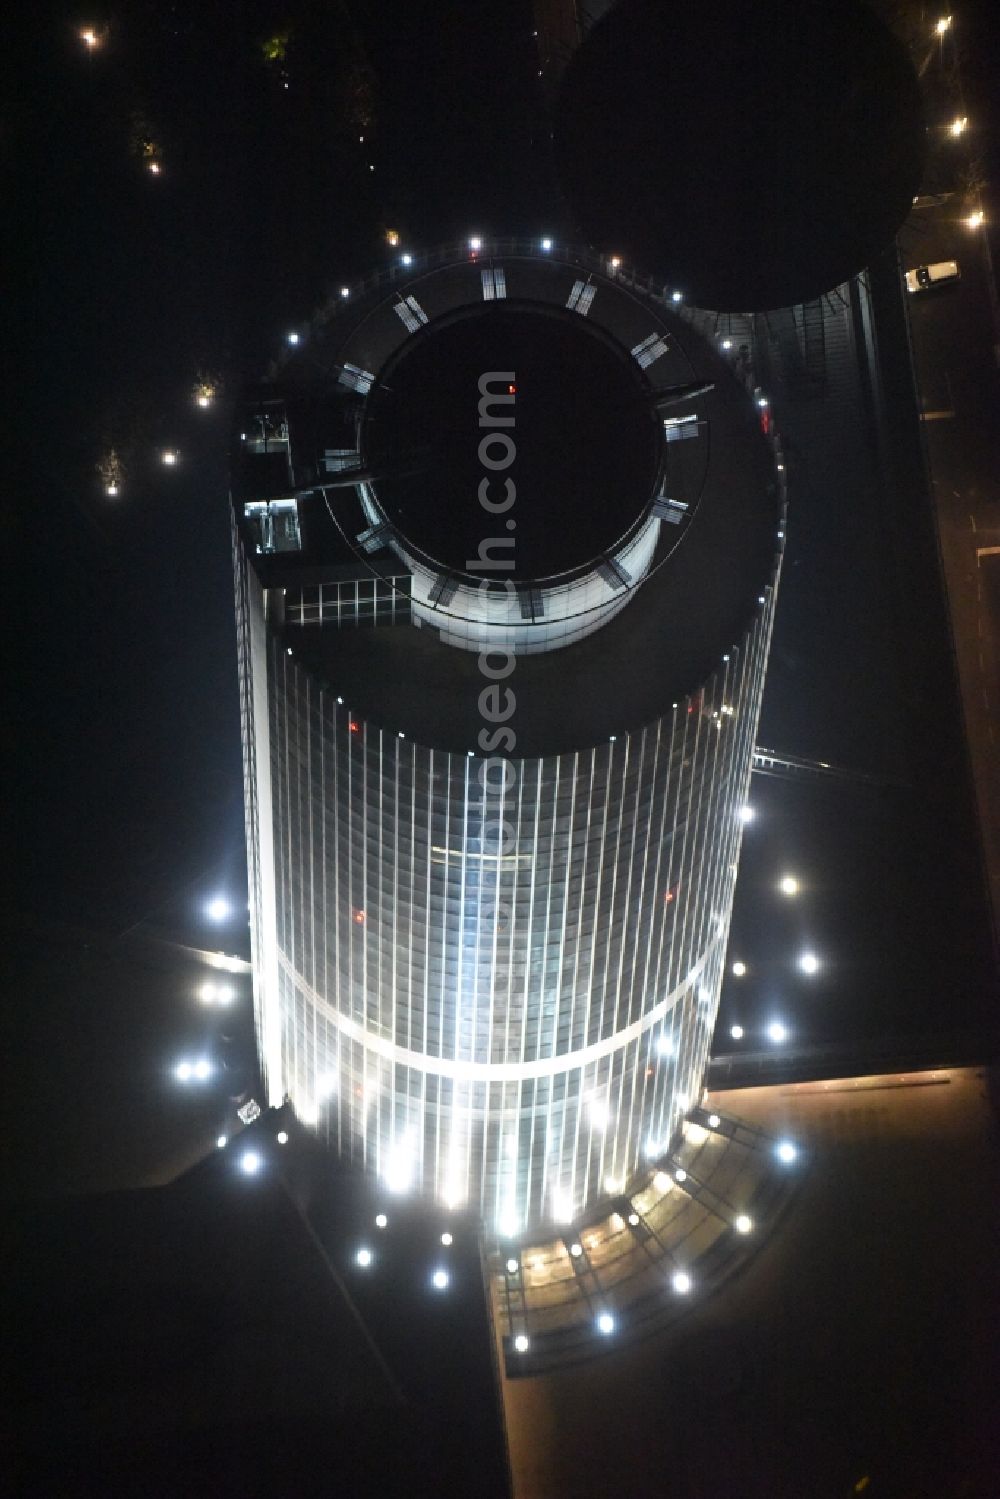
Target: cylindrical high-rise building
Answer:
[[507, 537]]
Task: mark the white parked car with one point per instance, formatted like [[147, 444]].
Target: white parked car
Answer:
[[926, 276]]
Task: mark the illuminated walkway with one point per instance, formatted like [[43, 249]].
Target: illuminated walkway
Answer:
[[643, 1258]]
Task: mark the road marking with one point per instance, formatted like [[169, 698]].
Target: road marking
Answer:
[[987, 551], [936, 416]]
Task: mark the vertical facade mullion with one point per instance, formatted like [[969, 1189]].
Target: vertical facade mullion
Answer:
[[360, 823]]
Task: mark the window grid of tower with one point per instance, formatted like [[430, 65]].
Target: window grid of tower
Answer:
[[508, 1028]]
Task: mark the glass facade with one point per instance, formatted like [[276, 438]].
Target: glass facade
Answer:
[[493, 982]]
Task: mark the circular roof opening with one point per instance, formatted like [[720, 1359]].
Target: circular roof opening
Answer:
[[758, 156], [582, 452]]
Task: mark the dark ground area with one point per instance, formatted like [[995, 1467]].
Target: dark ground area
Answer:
[[218, 1336]]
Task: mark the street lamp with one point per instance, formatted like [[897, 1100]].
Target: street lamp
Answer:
[[958, 125], [199, 1071], [942, 24], [975, 219]]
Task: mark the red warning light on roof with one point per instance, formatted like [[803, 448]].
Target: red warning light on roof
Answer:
[[359, 918], [355, 726], [512, 390]]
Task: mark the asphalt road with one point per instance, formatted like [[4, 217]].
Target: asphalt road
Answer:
[[956, 339]]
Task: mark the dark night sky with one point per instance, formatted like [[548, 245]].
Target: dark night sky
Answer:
[[125, 726]]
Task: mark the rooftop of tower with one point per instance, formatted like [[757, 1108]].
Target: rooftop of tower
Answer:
[[586, 441], [404, 408]]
